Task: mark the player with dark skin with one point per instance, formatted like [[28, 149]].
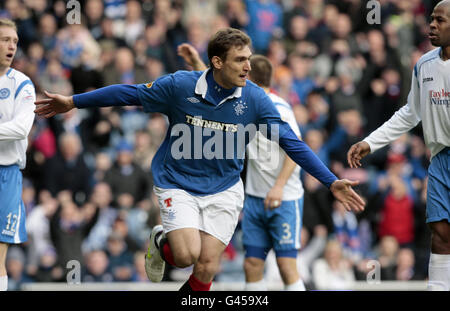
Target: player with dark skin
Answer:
[[439, 36]]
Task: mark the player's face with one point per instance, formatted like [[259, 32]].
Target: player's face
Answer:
[[440, 26], [8, 45], [236, 67]]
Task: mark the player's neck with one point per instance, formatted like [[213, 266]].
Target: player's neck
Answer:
[[3, 71], [445, 53], [218, 79]]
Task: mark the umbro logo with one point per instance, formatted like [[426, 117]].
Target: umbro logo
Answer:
[[193, 100], [427, 79]]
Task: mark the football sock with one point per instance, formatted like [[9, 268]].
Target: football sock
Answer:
[[194, 284], [439, 273], [166, 252], [3, 283], [296, 286], [256, 286]]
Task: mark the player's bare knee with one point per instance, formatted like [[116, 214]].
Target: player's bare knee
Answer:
[[185, 259], [253, 265]]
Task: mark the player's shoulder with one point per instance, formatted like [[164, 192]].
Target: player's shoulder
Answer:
[[279, 101], [183, 74], [17, 75], [253, 89], [425, 58]]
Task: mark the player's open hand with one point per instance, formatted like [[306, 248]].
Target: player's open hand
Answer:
[[190, 56], [356, 153], [344, 193], [53, 105]]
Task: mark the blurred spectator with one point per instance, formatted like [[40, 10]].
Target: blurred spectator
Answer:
[[67, 169], [124, 69], [333, 271], [47, 32], [236, 14], [139, 274], [102, 198], [404, 268], [38, 229], [144, 149], [69, 227], [346, 232], [120, 259], [48, 271], [94, 14], [265, 21], [133, 25], [397, 214], [72, 41], [53, 79], [126, 176], [15, 266], [84, 77], [302, 83], [96, 269]]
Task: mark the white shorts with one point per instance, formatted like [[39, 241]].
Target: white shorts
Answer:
[[215, 214]]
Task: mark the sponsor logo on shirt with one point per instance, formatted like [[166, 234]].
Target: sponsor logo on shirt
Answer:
[[4, 93], [427, 79], [440, 98], [149, 85], [226, 127]]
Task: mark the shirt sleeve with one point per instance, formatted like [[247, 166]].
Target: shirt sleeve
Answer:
[[20, 125], [156, 96], [403, 120]]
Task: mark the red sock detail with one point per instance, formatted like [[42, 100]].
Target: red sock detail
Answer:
[[197, 285], [168, 254]]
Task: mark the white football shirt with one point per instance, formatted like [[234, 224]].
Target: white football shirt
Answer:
[[17, 97], [266, 158], [428, 101]]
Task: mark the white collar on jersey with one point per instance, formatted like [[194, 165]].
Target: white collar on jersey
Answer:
[[202, 86]]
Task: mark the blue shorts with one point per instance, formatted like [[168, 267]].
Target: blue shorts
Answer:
[[265, 229], [438, 191], [12, 209]]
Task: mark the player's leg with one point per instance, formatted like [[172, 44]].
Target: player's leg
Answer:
[[207, 265], [285, 224], [219, 215], [256, 242], [177, 241], [438, 218], [3, 275], [12, 215], [439, 266]]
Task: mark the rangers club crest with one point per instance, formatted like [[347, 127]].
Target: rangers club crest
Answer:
[[239, 107]]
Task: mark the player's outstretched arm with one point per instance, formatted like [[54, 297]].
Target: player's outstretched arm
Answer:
[[53, 105], [191, 56], [356, 153], [344, 193]]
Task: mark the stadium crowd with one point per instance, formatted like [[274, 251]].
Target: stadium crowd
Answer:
[[87, 183]]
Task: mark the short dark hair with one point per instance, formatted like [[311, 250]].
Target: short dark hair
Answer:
[[223, 40], [261, 72]]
